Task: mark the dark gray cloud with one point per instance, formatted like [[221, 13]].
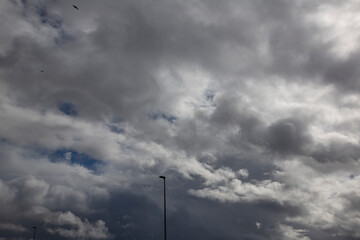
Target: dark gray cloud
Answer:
[[288, 135]]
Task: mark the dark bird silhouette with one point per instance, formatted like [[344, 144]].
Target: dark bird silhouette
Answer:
[[42, 71], [75, 7]]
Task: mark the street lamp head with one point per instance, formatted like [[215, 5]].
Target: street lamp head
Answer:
[[34, 227], [163, 177]]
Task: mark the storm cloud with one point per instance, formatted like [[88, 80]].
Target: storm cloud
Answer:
[[249, 108]]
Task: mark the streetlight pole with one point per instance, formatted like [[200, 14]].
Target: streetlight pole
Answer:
[[34, 232], [163, 177]]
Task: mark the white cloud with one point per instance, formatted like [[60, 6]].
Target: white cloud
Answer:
[[275, 110], [290, 233], [258, 225], [342, 25], [324, 197], [68, 156], [243, 173], [13, 227], [78, 228]]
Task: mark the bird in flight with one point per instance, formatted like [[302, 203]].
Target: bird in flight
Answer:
[[75, 7], [42, 71]]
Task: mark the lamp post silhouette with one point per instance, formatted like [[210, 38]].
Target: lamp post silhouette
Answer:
[[163, 177], [34, 232]]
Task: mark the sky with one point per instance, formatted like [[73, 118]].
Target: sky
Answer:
[[250, 108]]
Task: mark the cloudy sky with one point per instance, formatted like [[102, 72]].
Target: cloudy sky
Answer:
[[250, 108]]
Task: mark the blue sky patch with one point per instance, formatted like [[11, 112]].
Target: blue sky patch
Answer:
[[55, 22], [209, 95], [76, 158], [116, 126], [68, 108], [165, 116]]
